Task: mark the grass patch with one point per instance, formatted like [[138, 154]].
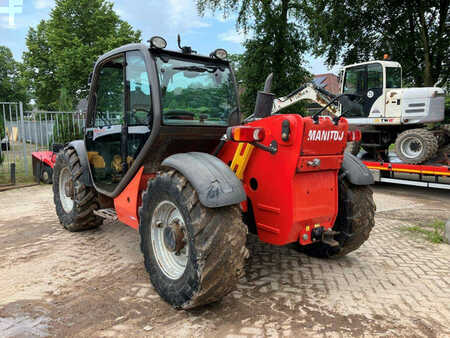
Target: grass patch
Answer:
[[433, 232]]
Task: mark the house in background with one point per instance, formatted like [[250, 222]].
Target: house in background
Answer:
[[329, 82]]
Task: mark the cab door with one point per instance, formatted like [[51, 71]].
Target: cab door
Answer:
[[119, 118], [366, 81]]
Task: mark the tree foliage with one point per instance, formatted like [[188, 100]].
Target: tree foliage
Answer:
[[413, 32], [277, 46], [63, 49], [12, 84]]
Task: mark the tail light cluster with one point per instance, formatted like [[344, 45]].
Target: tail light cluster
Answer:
[[246, 134], [354, 135]]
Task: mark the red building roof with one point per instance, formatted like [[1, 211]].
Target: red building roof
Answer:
[[328, 81]]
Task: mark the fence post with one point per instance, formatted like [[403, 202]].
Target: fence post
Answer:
[[24, 139], [13, 173]]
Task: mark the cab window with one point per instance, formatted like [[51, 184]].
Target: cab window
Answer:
[[393, 77], [110, 99], [140, 112], [374, 76], [355, 80]]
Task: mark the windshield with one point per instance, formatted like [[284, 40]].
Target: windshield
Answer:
[[195, 93], [393, 77]]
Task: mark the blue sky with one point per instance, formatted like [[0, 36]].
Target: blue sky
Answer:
[[155, 17]]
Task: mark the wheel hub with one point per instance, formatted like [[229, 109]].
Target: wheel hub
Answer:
[[174, 237], [169, 239], [411, 147], [68, 188]]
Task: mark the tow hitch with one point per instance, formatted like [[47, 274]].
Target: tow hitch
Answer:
[[325, 236]]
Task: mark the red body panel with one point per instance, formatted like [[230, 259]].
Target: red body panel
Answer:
[[128, 202], [291, 196], [291, 191], [47, 157]]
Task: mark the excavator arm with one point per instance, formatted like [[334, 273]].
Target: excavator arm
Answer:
[[307, 92]]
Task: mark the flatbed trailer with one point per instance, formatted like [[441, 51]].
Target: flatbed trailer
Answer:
[[429, 175]]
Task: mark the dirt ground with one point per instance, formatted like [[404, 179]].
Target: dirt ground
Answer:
[[94, 284]]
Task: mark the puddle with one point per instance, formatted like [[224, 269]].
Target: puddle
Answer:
[[24, 326]]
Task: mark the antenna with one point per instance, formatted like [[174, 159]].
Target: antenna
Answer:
[[179, 41], [185, 49]]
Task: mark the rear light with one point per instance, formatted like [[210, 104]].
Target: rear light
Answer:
[[354, 136], [246, 134]]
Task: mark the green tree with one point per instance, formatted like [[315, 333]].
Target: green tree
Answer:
[[277, 46], [12, 84], [413, 32], [63, 49]]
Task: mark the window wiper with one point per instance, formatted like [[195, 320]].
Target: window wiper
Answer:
[[209, 69]]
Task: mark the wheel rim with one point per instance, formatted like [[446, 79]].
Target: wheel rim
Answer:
[[45, 176], [66, 201], [412, 147], [172, 264]]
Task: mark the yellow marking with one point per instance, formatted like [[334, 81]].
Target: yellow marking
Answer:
[[307, 228], [411, 171], [240, 161]]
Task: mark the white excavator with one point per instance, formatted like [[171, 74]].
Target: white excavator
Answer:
[[385, 112]]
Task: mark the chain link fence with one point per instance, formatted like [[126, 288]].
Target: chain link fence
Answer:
[[25, 132]]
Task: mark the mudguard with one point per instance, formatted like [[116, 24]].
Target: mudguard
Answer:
[[80, 148], [355, 171], [215, 183]]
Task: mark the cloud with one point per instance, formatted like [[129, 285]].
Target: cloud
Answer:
[[232, 36], [43, 4], [165, 18]]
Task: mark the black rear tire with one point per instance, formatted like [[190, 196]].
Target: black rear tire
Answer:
[[216, 237], [415, 146], [355, 220], [81, 216]]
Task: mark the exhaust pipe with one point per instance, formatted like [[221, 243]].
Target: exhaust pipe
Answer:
[[264, 100]]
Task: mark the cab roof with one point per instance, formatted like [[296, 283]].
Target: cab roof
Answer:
[[384, 63]]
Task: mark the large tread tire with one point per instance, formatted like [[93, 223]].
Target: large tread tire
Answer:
[[425, 137], [82, 215], [355, 220], [216, 238], [353, 147]]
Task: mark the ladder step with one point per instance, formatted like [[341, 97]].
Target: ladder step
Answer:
[[109, 214]]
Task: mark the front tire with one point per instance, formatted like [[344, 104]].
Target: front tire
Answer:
[[74, 201], [193, 254], [415, 146], [355, 220]]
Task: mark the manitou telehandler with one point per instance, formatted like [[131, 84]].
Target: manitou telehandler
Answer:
[[165, 152]]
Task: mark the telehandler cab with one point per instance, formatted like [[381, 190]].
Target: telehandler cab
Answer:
[[165, 152]]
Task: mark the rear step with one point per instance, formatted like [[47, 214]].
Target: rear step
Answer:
[[109, 214]]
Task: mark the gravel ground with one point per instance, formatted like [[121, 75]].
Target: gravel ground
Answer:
[[94, 284]]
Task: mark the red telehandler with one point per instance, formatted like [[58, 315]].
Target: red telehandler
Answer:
[[166, 153]]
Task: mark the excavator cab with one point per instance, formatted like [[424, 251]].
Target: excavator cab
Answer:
[[369, 81]]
